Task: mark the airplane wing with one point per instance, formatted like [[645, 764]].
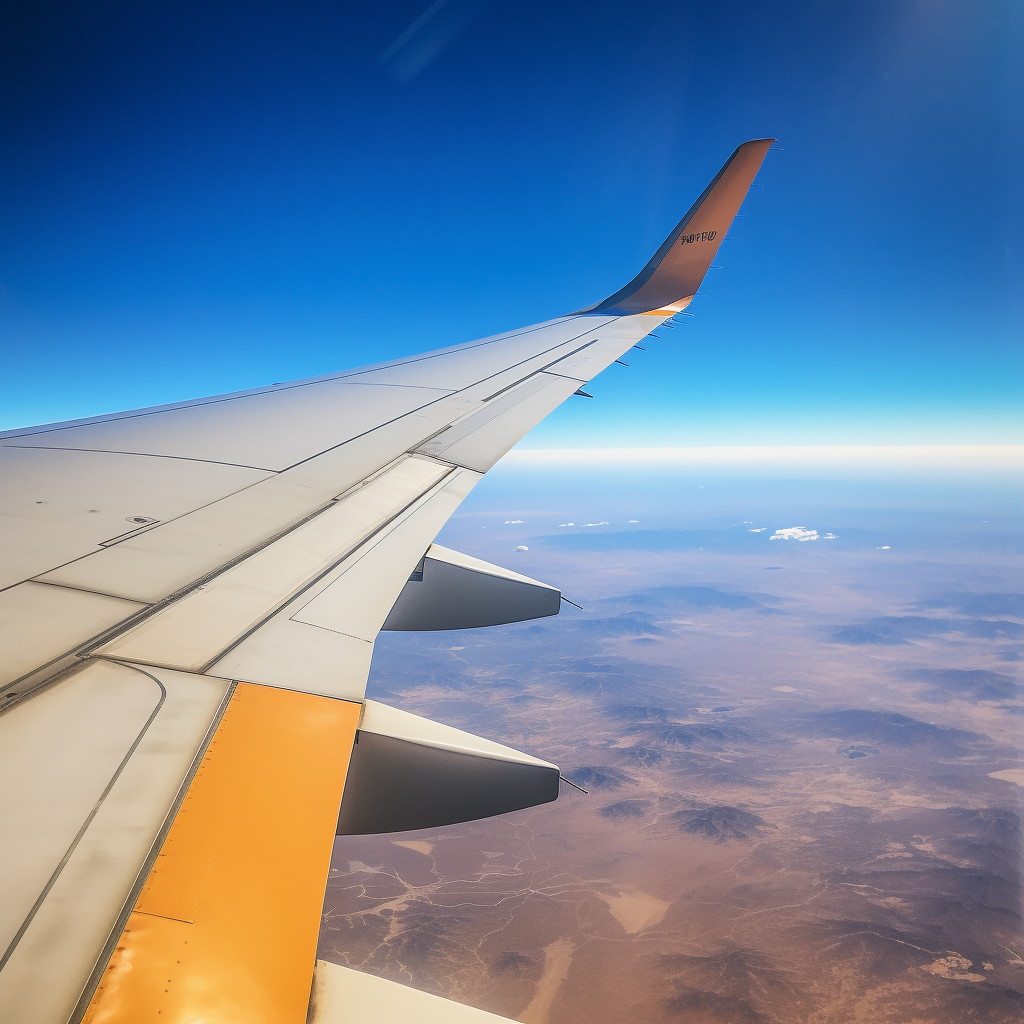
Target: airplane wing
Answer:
[[191, 595]]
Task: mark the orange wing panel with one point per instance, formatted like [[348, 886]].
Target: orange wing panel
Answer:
[[225, 929]]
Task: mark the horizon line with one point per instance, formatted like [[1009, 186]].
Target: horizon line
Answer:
[[1003, 458]]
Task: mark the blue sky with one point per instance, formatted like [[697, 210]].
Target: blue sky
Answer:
[[199, 198]]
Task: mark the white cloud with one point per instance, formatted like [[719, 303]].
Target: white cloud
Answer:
[[512, 522], [522, 547], [795, 533], [760, 529], [884, 547], [830, 536], [605, 523], [632, 520], [566, 524]]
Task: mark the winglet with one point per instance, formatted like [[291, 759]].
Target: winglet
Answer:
[[676, 270]]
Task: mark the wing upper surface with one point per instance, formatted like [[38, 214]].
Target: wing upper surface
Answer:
[[237, 547]]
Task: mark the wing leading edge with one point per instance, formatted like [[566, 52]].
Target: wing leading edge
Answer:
[[184, 692]]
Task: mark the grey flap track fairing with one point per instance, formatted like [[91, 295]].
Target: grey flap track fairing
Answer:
[[449, 590]]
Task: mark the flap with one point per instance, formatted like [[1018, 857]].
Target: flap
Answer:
[[343, 996]]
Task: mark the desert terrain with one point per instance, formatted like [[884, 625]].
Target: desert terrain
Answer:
[[804, 778]]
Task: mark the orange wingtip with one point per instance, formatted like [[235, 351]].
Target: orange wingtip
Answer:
[[670, 310]]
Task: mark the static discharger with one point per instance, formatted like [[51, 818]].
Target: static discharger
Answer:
[[574, 786], [573, 603]]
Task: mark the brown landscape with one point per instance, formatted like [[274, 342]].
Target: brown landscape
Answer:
[[804, 787]]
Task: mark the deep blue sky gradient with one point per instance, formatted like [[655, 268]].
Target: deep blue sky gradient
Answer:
[[199, 198]]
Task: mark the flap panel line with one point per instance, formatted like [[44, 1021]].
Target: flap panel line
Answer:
[[335, 564], [158, 631], [475, 384], [156, 410], [140, 455], [495, 340], [540, 369], [159, 606], [262, 806], [122, 919], [92, 814]]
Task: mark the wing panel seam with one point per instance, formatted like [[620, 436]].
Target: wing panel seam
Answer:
[[138, 455], [432, 489], [147, 866], [9, 952]]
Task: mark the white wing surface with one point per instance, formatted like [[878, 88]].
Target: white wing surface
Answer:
[[191, 595]]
